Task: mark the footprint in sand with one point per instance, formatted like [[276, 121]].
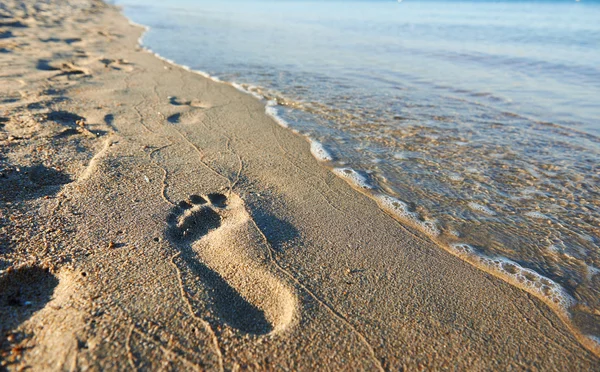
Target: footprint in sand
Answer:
[[226, 251], [41, 321], [23, 292], [67, 68], [117, 64], [175, 101]]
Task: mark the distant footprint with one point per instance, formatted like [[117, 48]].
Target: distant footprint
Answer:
[[117, 64], [224, 248], [175, 118], [68, 41], [23, 292], [192, 103], [65, 67], [5, 34]]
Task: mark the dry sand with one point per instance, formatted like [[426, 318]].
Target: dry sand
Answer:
[[151, 218]]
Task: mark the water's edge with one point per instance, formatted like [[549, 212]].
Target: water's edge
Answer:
[[503, 268]]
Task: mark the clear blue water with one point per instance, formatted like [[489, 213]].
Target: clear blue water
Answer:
[[480, 119]]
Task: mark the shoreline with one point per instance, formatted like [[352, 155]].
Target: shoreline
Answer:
[[163, 141], [526, 279]]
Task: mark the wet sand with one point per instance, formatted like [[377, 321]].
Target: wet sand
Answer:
[[152, 218]]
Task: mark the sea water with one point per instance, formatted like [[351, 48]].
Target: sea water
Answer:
[[476, 122]]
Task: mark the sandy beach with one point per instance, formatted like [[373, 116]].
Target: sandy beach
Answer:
[[151, 218]]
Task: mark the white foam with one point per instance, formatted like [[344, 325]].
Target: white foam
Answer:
[[250, 89], [397, 206], [481, 208], [536, 215], [532, 281], [533, 172], [254, 90], [529, 191], [455, 233], [319, 151], [401, 210], [405, 155], [146, 29], [462, 249], [555, 249], [455, 177], [271, 110], [353, 177], [206, 75], [429, 227], [518, 275]]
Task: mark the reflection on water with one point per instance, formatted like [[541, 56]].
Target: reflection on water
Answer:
[[475, 122]]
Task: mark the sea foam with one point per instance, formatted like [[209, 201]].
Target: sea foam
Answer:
[[401, 210], [537, 215], [319, 151], [271, 110], [481, 208], [516, 274], [353, 177], [248, 89]]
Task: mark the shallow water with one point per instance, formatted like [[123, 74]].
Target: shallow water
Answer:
[[477, 122]]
